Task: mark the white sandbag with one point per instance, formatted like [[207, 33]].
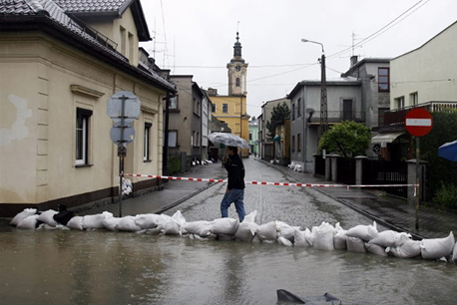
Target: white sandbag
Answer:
[[147, 221], [178, 218], [409, 249], [267, 231], [339, 239], [23, 215], [200, 227], [48, 217], [225, 226], [247, 228], [376, 249], [285, 230], [301, 238], [111, 223], [436, 248], [76, 223], [364, 232], [323, 237], [171, 227], [93, 222], [454, 254], [390, 238], [127, 223], [28, 223], [355, 244], [284, 241]]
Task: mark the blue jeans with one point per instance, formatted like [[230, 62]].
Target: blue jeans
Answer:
[[237, 196]]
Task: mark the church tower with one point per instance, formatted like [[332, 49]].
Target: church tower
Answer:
[[237, 71]]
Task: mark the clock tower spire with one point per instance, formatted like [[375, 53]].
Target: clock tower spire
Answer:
[[237, 70]]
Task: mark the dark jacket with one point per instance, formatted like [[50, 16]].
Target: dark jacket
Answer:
[[235, 169]]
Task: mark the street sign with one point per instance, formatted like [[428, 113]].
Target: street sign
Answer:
[[123, 104], [418, 122], [116, 134]]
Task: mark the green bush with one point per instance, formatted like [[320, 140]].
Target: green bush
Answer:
[[174, 164], [446, 196]]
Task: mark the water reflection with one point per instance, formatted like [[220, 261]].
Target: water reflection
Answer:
[[68, 267]]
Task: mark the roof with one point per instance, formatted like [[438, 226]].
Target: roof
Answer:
[[344, 81], [366, 61], [47, 16]]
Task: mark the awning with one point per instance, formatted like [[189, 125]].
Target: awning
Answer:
[[386, 137]]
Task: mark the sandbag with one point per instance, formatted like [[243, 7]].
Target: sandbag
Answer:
[[63, 217], [301, 238], [376, 249], [47, 217], [226, 226], [454, 254], [29, 223], [355, 244], [76, 223], [267, 231], [436, 248], [323, 237], [247, 228], [200, 227], [285, 230], [23, 215], [339, 238], [111, 223], [94, 222], [390, 238], [409, 249], [127, 223], [147, 221], [364, 232], [284, 241]]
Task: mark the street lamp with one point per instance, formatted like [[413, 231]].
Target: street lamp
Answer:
[[324, 115]]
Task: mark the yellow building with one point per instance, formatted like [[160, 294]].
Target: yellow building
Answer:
[[231, 108]]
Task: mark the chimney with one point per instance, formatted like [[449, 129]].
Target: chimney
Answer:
[[354, 60], [212, 91]]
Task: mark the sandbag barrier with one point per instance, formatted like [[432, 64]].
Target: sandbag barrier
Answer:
[[361, 238], [318, 185]]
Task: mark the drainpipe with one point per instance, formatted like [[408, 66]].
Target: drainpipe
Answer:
[[305, 134], [165, 140]]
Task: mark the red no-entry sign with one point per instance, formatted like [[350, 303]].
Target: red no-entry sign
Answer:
[[418, 122]]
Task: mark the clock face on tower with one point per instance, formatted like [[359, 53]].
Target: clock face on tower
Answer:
[[238, 68]]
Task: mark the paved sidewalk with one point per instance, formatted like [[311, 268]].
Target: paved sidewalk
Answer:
[[390, 211]]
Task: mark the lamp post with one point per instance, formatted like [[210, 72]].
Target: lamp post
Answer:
[[323, 127]]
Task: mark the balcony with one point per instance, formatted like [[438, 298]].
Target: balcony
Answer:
[[337, 117], [395, 119]]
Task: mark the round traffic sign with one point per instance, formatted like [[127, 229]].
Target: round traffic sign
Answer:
[[418, 122]]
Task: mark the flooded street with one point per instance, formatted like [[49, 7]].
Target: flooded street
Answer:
[[100, 267]]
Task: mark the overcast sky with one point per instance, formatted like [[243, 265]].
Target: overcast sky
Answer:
[[196, 37]]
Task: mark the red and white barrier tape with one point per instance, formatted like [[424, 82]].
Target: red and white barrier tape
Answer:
[[271, 183]]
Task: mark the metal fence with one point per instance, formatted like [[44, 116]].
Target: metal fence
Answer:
[[346, 170], [319, 165], [386, 172]]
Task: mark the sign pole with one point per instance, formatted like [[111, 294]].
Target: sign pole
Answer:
[[121, 155], [417, 183]]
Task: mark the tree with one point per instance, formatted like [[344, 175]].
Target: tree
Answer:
[[280, 113], [348, 139]]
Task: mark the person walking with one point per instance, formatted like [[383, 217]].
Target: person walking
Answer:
[[235, 187]]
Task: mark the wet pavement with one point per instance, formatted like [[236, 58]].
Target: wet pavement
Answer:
[[389, 211]]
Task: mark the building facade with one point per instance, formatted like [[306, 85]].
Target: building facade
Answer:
[[55, 145], [254, 136]]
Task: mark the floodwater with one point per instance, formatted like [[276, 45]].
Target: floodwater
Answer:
[[100, 267]]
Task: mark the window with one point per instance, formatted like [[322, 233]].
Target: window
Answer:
[[413, 99], [299, 108], [147, 141], [173, 103], [196, 106], [250, 136], [224, 108], [381, 116], [299, 142], [347, 110], [293, 143], [400, 102], [293, 111], [383, 80], [131, 47], [82, 135], [172, 138], [237, 82], [213, 107], [122, 34]]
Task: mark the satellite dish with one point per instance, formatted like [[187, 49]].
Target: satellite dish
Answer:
[[309, 110]]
